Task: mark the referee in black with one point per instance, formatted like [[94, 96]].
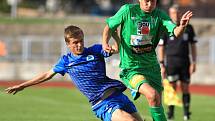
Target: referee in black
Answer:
[[177, 58]]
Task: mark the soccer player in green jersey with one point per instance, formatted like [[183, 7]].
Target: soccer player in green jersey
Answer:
[[141, 26]]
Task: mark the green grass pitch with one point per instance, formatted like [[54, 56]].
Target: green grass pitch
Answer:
[[60, 104]]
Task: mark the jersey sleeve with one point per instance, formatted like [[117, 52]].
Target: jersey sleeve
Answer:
[[97, 49], [59, 67], [167, 23], [163, 39], [191, 34], [114, 21]]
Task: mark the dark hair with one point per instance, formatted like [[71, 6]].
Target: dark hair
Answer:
[[72, 32]]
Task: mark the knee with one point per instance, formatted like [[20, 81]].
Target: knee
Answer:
[[151, 96], [154, 98]]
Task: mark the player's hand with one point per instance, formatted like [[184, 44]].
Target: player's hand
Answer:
[[186, 18], [106, 47], [13, 90], [192, 68], [114, 49]]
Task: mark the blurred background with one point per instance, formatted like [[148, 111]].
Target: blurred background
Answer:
[[31, 33]]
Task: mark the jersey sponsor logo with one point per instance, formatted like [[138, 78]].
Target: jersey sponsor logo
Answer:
[[137, 40], [141, 43], [141, 50], [90, 58], [143, 28]]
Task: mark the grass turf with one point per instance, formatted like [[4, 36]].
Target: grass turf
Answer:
[[60, 104]]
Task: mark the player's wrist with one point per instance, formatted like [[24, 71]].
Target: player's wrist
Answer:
[[181, 26], [161, 62], [194, 63]]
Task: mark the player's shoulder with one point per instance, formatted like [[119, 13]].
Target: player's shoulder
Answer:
[[95, 46], [66, 57]]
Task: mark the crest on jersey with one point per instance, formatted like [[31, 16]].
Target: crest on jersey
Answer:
[[143, 28], [90, 57]]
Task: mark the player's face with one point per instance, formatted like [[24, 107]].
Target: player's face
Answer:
[[76, 45], [174, 14], [148, 5]]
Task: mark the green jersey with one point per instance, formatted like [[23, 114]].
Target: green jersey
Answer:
[[140, 34]]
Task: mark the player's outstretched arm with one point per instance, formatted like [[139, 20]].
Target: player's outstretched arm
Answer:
[[38, 79], [183, 23]]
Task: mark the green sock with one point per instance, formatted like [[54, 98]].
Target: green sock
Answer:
[[158, 113]]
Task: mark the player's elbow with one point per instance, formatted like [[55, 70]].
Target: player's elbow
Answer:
[[48, 75]]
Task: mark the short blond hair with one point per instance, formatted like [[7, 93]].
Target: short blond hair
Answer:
[[72, 32]]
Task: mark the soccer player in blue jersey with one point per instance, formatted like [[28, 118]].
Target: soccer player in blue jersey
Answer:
[[86, 67]]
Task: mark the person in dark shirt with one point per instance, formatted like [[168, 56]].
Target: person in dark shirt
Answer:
[[86, 67], [178, 65]]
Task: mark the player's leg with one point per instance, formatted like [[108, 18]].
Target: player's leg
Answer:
[[154, 100], [150, 91], [148, 83], [185, 81], [117, 107], [125, 110], [152, 96], [121, 115]]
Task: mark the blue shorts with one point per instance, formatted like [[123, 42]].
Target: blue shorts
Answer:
[[104, 109]]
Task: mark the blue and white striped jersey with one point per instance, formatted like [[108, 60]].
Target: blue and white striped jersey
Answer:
[[88, 72]]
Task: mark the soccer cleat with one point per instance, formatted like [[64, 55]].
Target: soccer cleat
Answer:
[[187, 117]]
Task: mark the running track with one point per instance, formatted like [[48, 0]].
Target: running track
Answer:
[[195, 89]]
